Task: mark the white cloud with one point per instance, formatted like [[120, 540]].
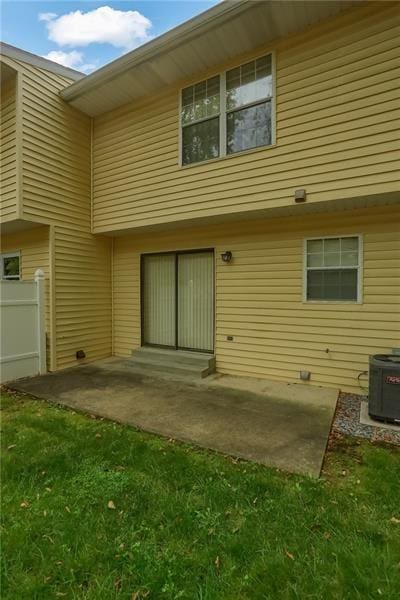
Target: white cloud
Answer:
[[73, 59], [68, 59], [88, 67], [123, 29], [47, 16]]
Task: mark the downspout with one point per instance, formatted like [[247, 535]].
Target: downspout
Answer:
[[18, 144], [112, 296], [91, 175], [52, 299], [92, 232]]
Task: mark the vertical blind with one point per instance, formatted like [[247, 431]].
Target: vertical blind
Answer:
[[195, 301], [189, 317], [159, 300]]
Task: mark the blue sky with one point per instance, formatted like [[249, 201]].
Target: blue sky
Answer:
[[87, 35]]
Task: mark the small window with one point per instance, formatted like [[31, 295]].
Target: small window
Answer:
[[10, 265], [333, 269]]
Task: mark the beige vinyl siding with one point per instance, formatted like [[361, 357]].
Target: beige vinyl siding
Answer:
[[56, 189], [56, 152], [338, 109], [82, 295], [33, 246], [259, 297], [8, 156]]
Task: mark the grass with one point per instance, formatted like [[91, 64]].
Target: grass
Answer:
[[187, 523]]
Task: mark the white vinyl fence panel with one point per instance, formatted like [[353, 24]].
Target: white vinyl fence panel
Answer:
[[22, 321]]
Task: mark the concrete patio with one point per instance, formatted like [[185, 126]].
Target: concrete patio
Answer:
[[279, 425]]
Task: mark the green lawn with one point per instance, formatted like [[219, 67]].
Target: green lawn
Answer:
[[187, 523]]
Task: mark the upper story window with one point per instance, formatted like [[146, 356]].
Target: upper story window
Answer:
[[248, 105], [200, 121], [333, 269], [10, 265], [228, 113]]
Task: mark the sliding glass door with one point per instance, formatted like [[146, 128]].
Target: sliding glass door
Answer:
[[195, 300], [178, 300], [159, 300]]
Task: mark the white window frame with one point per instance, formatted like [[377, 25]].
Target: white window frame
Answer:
[[223, 113], [4, 255], [359, 268]]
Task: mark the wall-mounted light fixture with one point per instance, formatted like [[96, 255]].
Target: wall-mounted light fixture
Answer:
[[226, 256], [300, 196]]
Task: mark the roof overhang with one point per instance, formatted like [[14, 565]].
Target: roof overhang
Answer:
[[18, 225], [8, 51], [6, 72], [217, 35], [300, 211]]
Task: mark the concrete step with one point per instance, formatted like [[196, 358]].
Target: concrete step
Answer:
[[174, 361], [166, 370]]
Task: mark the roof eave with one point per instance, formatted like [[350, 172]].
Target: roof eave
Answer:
[[18, 54], [165, 42]]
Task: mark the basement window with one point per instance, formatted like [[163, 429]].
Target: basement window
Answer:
[[10, 265], [229, 113], [333, 269]]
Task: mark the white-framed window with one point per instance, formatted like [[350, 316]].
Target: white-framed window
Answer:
[[333, 269], [200, 121], [10, 265], [228, 113]]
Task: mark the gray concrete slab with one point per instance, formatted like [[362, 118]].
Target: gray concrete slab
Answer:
[[288, 432]]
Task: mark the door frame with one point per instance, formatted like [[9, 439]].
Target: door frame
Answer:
[[176, 253]]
